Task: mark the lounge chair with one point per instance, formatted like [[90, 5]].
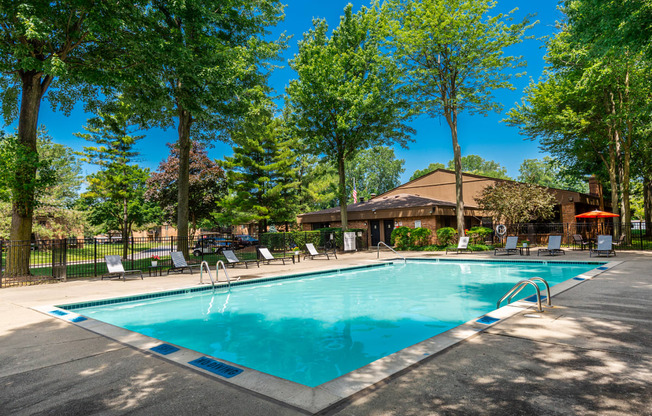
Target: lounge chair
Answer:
[[462, 245], [312, 252], [179, 263], [605, 246], [554, 246], [510, 246], [114, 265], [233, 260], [620, 242], [578, 240], [267, 256]]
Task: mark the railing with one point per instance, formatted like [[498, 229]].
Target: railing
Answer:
[[384, 244], [217, 272], [208, 270], [516, 289]]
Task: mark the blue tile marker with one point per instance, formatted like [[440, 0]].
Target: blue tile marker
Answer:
[[603, 268], [579, 278], [78, 319], [58, 313], [533, 298], [216, 367], [487, 320], [165, 349]]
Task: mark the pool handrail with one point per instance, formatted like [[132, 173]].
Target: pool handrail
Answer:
[[517, 288], [535, 279], [201, 273], [385, 244], [217, 272]]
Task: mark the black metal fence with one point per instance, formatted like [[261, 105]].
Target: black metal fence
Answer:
[[26, 263]]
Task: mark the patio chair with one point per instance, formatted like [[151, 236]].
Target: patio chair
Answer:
[[233, 260], [179, 263], [267, 256], [114, 265], [605, 246], [462, 245], [620, 242], [510, 246], [578, 240], [554, 246], [312, 252]]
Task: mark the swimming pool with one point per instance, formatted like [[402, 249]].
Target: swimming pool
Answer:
[[314, 328]]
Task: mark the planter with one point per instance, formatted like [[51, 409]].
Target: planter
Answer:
[[154, 263]]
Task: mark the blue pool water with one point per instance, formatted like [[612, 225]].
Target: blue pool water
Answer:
[[312, 329]]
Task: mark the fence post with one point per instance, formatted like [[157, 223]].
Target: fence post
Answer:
[[95, 256], [2, 250], [132, 253]]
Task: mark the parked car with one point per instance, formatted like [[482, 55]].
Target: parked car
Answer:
[[245, 240]]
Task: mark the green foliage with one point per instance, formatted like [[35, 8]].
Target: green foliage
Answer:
[[431, 168], [515, 203], [401, 238], [445, 235], [375, 171], [478, 234], [476, 165], [549, 172], [419, 236], [346, 96], [290, 240], [262, 173], [317, 184]]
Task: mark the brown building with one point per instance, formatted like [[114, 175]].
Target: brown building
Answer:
[[429, 201]]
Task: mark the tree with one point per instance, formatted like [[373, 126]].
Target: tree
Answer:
[[58, 51], [453, 58], [317, 184], [431, 168], [66, 170], [478, 166], [261, 174], [120, 182], [346, 97], [514, 203], [204, 57], [550, 173], [207, 186], [375, 171]]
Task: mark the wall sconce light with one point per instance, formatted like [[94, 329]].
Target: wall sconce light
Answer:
[[373, 210], [570, 198], [432, 210]]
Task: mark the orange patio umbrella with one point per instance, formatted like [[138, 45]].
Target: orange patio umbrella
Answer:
[[597, 214]]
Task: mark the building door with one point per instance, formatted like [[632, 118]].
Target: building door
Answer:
[[375, 232], [389, 227]]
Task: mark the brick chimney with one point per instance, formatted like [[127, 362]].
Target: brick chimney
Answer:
[[595, 187]]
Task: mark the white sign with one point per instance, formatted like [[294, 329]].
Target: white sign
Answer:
[[349, 241], [417, 224]]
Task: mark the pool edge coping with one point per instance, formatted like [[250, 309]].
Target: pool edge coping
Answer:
[[329, 394]]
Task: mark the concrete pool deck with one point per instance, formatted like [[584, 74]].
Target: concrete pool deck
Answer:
[[590, 354]]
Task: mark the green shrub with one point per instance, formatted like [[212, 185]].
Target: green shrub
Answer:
[[446, 235], [478, 234], [401, 238], [419, 237]]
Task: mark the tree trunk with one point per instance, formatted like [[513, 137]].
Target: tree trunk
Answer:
[[185, 121], [22, 209], [613, 181], [647, 203], [451, 117], [342, 188]]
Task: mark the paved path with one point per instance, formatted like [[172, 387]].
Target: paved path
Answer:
[[591, 354]]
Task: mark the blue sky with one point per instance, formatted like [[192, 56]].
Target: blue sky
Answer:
[[484, 136]]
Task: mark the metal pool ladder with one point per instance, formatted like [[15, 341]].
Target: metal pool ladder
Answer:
[[217, 271], [521, 285], [201, 273], [384, 244]]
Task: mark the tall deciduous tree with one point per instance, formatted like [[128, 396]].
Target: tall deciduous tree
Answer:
[[516, 203], [207, 186], [205, 55], [549, 172], [453, 56], [375, 170], [477, 165], [56, 50], [120, 180], [346, 97], [262, 173], [431, 168]]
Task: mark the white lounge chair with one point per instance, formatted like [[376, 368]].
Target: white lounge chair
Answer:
[[510, 246], [233, 260], [312, 252], [462, 245], [267, 256], [605, 246], [179, 263], [114, 265], [554, 246]]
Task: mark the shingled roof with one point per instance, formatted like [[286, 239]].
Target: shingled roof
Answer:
[[387, 202]]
